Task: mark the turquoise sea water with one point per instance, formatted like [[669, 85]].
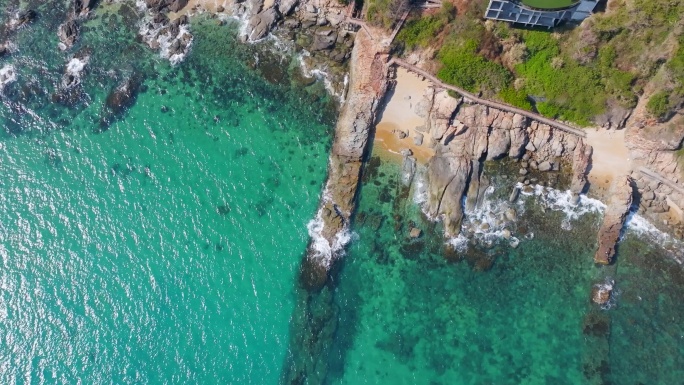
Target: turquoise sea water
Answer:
[[411, 312], [166, 249], [163, 250]]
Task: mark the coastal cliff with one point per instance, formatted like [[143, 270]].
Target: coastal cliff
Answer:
[[464, 135]]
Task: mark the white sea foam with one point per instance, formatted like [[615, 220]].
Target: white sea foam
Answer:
[[642, 227], [152, 35], [557, 200], [608, 286], [7, 75], [76, 65], [420, 194], [325, 252], [319, 73], [459, 243]]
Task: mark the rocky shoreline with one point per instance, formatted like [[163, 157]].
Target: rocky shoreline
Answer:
[[462, 133]]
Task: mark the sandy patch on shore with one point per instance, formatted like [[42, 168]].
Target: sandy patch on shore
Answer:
[[610, 158], [399, 114]]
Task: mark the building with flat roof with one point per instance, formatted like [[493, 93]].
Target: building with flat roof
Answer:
[[540, 13]]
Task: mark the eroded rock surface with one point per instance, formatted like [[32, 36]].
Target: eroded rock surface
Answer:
[[464, 135]]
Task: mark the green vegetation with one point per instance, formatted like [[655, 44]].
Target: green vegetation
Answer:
[[421, 32], [384, 13], [516, 98], [462, 66], [659, 104], [569, 90], [573, 73], [549, 4]]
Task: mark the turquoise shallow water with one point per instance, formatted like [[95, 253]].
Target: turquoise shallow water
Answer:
[[411, 312], [166, 249]]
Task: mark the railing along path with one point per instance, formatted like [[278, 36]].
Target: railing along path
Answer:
[[489, 103]]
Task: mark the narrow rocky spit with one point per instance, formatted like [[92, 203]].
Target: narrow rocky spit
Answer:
[[367, 86], [614, 220]]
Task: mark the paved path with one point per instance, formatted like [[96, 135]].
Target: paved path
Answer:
[[489, 103]]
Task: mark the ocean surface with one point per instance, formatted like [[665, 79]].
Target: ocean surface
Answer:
[[161, 244]]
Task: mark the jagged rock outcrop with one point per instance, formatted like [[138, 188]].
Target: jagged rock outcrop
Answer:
[[67, 33], [166, 5], [656, 147], [285, 7], [83, 7], [464, 134], [613, 220], [172, 38], [21, 19], [581, 159], [260, 24]]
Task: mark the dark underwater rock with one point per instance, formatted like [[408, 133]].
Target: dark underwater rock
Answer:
[[22, 18], [83, 7], [120, 100], [313, 274]]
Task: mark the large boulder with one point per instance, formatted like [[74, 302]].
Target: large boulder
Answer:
[[324, 39], [286, 6], [260, 24], [447, 180]]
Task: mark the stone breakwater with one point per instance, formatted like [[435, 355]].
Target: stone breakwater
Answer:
[[367, 86]]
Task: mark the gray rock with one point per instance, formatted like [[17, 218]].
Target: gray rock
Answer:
[[499, 143], [648, 196], [286, 6], [514, 195], [510, 215], [324, 39], [260, 25], [418, 139], [523, 171], [67, 33], [447, 177], [545, 166]]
